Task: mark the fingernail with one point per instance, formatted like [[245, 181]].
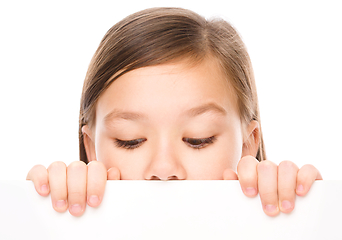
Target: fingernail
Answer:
[[60, 203], [300, 188], [44, 189], [286, 205], [270, 208], [93, 200], [76, 208], [250, 191]]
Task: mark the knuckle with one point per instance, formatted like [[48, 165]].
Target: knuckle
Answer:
[[248, 159], [268, 196], [307, 171], [38, 167], [77, 165], [266, 165], [96, 169], [96, 164], [57, 165], [36, 171], [288, 165], [248, 180], [76, 195], [286, 191], [309, 167]]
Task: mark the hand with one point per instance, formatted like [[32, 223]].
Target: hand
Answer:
[[71, 187], [277, 185]]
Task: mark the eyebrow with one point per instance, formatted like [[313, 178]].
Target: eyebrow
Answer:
[[117, 114], [135, 116], [193, 112]]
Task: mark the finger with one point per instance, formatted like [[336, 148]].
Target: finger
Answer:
[[268, 186], [248, 177], [39, 176], [287, 183], [229, 174], [97, 178], [305, 178], [58, 186], [77, 187], [113, 174]]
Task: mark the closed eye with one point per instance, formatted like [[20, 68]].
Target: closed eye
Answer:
[[196, 143], [199, 143], [129, 144]]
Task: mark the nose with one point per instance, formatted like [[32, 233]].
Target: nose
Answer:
[[165, 164], [173, 177]]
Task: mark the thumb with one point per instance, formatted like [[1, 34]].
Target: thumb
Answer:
[[113, 174], [229, 174]]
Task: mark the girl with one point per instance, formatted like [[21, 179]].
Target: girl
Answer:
[[170, 96]]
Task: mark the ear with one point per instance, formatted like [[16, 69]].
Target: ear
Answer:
[[88, 142], [252, 140]]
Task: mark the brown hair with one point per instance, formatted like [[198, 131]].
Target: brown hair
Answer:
[[160, 35]]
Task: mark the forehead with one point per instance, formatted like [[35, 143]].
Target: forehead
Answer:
[[172, 88]]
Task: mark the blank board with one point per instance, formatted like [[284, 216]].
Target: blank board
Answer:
[[171, 210]]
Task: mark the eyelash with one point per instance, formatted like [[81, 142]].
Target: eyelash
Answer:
[[196, 143], [199, 143], [130, 144]]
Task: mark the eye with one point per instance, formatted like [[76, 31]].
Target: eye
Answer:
[[129, 144], [199, 142]]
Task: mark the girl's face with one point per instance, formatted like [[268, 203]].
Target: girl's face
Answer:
[[172, 121]]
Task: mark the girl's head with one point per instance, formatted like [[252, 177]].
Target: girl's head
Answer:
[[170, 95]]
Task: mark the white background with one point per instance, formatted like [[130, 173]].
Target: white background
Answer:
[[46, 46], [169, 210]]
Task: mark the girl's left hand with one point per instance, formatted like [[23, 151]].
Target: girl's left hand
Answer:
[[277, 185]]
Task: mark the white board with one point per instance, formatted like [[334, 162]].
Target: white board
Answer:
[[170, 210]]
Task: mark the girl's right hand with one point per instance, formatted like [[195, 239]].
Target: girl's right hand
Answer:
[[71, 187]]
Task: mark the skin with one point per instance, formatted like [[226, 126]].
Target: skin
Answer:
[[165, 110]]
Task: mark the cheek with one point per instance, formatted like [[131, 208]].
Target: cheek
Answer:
[[104, 151], [130, 165], [210, 163], [234, 152]]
